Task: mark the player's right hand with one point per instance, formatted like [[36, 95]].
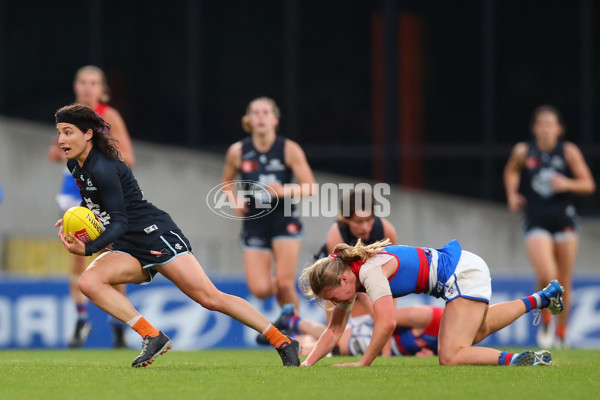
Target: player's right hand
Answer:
[[516, 202], [241, 210]]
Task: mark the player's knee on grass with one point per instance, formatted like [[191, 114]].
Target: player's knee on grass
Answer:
[[446, 357], [443, 360]]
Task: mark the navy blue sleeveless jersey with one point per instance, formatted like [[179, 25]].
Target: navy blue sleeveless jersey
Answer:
[[110, 190], [348, 238], [375, 235], [265, 168], [541, 197]]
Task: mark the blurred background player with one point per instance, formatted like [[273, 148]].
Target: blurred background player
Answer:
[[416, 332], [360, 222], [271, 160], [91, 89], [540, 178]]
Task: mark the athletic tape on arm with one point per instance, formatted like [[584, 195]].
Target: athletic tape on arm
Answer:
[[372, 278]]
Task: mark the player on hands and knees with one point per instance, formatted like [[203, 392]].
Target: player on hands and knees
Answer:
[[460, 277], [356, 220]]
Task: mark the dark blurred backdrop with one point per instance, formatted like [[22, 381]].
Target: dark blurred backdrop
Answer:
[[427, 94]]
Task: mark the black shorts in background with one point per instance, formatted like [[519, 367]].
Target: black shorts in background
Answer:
[[259, 234]]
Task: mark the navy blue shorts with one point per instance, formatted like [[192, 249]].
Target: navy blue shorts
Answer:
[[559, 225], [153, 249], [259, 234]]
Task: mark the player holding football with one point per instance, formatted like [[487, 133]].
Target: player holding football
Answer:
[[460, 277], [91, 89], [145, 240]]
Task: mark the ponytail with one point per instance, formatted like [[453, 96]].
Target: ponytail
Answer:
[[326, 272]]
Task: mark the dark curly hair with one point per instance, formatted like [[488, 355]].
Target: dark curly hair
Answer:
[[85, 118]]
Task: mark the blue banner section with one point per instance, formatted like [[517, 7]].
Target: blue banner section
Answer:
[[40, 314], [584, 320]]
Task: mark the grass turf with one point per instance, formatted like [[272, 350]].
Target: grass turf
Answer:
[[257, 374]]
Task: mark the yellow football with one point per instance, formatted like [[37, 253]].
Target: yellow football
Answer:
[[82, 223]]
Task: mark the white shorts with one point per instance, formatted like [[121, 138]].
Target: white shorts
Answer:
[[470, 280], [66, 201]]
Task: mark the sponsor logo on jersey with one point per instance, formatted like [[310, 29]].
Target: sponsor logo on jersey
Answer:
[[532, 162], [275, 164], [102, 216], [178, 246], [541, 182], [150, 229], [248, 166], [557, 162]]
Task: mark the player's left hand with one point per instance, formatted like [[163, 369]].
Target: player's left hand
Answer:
[[277, 188], [354, 364], [560, 183], [76, 246]]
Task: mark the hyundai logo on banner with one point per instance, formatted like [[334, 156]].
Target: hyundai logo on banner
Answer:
[[40, 314]]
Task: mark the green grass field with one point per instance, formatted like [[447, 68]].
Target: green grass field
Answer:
[[257, 374]]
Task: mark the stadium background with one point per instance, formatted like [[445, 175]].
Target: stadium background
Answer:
[[426, 95]]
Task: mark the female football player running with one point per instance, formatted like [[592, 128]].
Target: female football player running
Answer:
[[550, 172], [145, 240], [270, 161], [90, 88]]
